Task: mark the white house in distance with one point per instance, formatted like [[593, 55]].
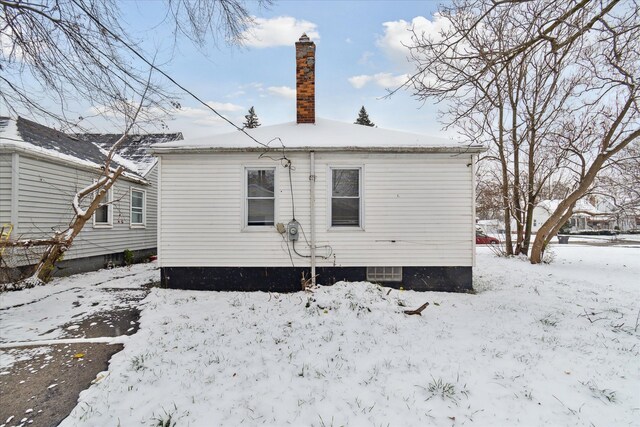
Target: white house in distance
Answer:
[[336, 200], [41, 169], [583, 218]]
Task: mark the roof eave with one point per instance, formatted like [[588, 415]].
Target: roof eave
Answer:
[[472, 149], [12, 148]]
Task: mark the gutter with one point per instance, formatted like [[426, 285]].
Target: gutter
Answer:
[[312, 208], [472, 149]]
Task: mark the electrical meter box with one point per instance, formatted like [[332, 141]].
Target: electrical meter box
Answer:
[[293, 230]]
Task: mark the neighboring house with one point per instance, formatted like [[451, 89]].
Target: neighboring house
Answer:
[[624, 217], [40, 171], [490, 226], [585, 216], [373, 204]]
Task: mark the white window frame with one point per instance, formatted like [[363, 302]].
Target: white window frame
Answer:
[[143, 224], [345, 228], [245, 199], [108, 199]]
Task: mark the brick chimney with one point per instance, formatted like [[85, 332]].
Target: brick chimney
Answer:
[[305, 80]]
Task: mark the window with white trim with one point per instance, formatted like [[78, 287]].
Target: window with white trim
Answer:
[[138, 207], [260, 196], [384, 274], [103, 216], [346, 197]]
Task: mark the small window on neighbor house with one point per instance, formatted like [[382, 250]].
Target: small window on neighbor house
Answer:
[[137, 207], [260, 196], [103, 215], [384, 274], [345, 197]]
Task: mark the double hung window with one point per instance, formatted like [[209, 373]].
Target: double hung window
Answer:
[[346, 197], [137, 208], [260, 196], [103, 216]]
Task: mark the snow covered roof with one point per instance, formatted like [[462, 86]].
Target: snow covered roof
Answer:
[[134, 150], [582, 207], [324, 135], [85, 149]]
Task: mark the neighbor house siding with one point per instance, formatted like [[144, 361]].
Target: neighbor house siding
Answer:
[[418, 211], [5, 188], [46, 191]]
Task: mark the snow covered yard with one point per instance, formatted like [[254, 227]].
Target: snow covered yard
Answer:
[[54, 339], [537, 345], [44, 312]]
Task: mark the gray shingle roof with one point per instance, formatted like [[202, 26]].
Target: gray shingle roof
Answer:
[[85, 149], [134, 148]]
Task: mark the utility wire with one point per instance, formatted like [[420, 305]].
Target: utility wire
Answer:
[[190, 93], [156, 68], [293, 205], [288, 163]]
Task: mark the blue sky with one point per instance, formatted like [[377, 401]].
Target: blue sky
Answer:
[[359, 54]]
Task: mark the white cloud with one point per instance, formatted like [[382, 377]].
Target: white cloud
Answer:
[[235, 94], [204, 116], [224, 106], [8, 48], [397, 35], [283, 91], [384, 80], [253, 86], [365, 58], [278, 31]]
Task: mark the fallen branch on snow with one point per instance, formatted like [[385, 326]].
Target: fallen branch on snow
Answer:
[[418, 310]]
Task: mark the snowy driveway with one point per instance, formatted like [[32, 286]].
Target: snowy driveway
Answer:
[[55, 339]]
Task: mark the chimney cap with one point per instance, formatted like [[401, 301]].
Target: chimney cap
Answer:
[[304, 38]]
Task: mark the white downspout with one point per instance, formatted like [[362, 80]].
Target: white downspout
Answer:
[[312, 207]]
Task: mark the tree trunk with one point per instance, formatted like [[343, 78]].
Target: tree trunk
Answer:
[[63, 240], [545, 233], [505, 183], [528, 226], [567, 215]]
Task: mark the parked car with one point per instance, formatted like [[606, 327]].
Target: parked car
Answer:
[[483, 239]]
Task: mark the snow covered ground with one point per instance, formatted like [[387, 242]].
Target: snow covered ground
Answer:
[[42, 313], [555, 344]]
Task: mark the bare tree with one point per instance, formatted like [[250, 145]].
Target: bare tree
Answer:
[[54, 52], [512, 107], [85, 202], [517, 75], [619, 187], [608, 121], [57, 51]]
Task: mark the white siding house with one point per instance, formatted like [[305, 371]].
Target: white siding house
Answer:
[[41, 170], [414, 209], [585, 215], [263, 210]]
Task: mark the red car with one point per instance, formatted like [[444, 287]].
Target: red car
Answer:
[[483, 239]]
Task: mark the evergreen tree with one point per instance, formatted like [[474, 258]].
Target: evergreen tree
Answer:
[[251, 121], [363, 118]]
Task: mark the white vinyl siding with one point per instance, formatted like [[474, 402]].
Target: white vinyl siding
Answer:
[[417, 208], [5, 188], [138, 208], [45, 193]]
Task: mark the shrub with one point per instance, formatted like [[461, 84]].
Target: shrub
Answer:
[[128, 256]]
